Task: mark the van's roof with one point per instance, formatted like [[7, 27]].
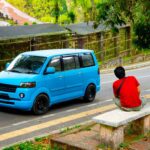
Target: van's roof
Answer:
[[52, 52]]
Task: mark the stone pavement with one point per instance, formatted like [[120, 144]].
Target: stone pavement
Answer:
[[88, 139], [141, 145]]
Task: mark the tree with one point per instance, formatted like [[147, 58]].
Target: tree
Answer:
[[72, 16], [118, 12], [58, 8]]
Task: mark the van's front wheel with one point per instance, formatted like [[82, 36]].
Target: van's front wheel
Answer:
[[90, 93], [41, 105]]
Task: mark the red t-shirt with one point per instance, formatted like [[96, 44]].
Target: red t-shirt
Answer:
[[129, 95]]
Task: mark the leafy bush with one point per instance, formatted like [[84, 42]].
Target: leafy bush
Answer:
[[26, 24], [142, 31]]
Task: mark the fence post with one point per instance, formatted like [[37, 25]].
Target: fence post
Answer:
[[80, 42], [102, 46], [115, 44], [32, 42], [128, 35]]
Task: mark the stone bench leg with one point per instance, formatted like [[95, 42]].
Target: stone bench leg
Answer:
[[110, 136], [142, 125]]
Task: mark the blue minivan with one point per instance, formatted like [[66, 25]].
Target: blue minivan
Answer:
[[36, 80]]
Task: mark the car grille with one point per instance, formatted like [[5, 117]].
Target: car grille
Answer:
[[8, 88]]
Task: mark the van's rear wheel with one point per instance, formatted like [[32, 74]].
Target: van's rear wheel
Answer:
[[41, 105], [90, 93]]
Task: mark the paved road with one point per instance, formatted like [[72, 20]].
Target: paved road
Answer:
[[17, 124]]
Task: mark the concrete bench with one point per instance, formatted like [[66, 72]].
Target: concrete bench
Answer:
[[112, 124]]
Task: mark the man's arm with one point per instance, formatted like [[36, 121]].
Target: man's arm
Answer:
[[137, 85], [114, 90], [139, 89]]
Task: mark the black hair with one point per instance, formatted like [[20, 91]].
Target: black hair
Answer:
[[119, 72]]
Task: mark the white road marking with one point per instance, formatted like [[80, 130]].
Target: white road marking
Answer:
[[70, 110], [148, 90], [91, 105], [99, 103], [109, 100], [19, 123], [143, 77], [46, 116]]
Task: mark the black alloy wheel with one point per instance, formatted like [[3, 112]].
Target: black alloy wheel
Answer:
[[41, 105], [90, 93]]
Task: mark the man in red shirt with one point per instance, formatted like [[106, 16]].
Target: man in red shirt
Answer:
[[127, 91]]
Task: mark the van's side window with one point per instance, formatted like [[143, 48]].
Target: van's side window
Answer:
[[87, 60], [69, 63], [55, 62]]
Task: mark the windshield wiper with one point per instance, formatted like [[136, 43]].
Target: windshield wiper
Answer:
[[31, 72], [13, 70]]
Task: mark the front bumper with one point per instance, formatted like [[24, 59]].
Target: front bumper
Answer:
[[13, 99], [22, 105]]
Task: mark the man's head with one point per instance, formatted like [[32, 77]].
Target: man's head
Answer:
[[119, 72]]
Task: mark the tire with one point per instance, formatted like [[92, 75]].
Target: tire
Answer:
[[90, 93], [41, 105]]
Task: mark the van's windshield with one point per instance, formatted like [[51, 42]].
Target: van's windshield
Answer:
[[27, 64]]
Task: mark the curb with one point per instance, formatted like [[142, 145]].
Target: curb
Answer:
[[128, 67]]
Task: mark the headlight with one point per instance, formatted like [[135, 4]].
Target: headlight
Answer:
[[27, 84]]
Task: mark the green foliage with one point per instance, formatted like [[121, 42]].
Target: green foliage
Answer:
[[102, 146], [53, 10], [34, 23], [64, 130], [118, 12], [124, 145], [26, 24], [56, 147], [29, 146], [110, 16], [87, 129], [72, 16], [142, 31], [39, 139]]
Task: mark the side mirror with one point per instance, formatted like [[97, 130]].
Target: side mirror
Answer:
[[7, 64], [50, 70]]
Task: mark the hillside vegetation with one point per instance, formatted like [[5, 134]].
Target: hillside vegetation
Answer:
[[61, 11]]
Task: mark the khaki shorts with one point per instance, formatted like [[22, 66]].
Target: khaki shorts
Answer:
[[117, 102]]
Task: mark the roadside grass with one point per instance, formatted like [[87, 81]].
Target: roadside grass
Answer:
[[132, 138], [29, 145], [65, 130], [39, 139], [87, 129], [103, 146]]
